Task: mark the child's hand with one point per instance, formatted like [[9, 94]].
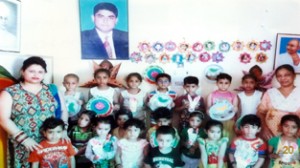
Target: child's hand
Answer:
[[116, 107], [96, 157], [274, 156]]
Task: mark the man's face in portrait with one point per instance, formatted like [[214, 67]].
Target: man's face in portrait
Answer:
[[4, 15], [293, 46], [105, 20]]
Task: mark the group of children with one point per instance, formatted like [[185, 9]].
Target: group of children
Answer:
[[181, 131]]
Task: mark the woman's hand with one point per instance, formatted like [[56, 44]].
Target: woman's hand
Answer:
[[31, 144], [65, 137], [266, 133]]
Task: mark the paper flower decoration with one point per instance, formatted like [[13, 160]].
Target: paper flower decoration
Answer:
[[158, 47], [191, 57], [217, 57], [209, 45], [224, 46], [178, 59], [144, 47], [170, 46], [164, 58], [197, 47], [253, 45], [245, 58], [238, 45], [135, 57], [204, 57], [183, 47], [150, 58], [265, 45], [261, 57]]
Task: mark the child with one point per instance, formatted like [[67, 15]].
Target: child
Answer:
[[53, 151], [162, 96], [189, 102], [248, 150], [132, 149], [164, 155], [102, 149], [213, 148], [284, 149], [221, 95], [162, 117], [134, 98], [189, 136], [102, 77], [121, 116], [74, 99]]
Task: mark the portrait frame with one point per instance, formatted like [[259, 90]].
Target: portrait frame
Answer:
[[95, 37], [10, 18], [283, 52]]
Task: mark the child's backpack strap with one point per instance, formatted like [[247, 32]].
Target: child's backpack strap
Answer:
[[53, 89]]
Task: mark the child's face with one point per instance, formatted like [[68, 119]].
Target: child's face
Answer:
[[102, 79], [133, 82], [214, 133], [289, 129], [105, 65], [223, 84], [249, 84], [190, 88], [163, 121], [163, 83], [70, 83], [121, 120], [84, 121], [195, 122], [53, 135], [250, 131], [102, 129], [164, 141], [133, 132], [256, 72]]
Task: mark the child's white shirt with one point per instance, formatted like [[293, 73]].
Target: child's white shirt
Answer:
[[249, 103], [107, 93]]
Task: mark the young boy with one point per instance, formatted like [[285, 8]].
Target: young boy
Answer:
[[189, 102], [248, 150], [74, 100], [164, 155], [163, 117], [54, 152]]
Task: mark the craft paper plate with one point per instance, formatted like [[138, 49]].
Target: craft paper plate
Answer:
[[100, 105], [221, 111], [72, 105], [151, 72], [160, 100], [212, 71]]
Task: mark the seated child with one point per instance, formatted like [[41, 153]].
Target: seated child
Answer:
[[163, 117], [74, 99], [132, 149], [189, 140], [284, 149], [248, 150], [189, 102], [53, 145], [164, 155], [102, 148], [121, 116]]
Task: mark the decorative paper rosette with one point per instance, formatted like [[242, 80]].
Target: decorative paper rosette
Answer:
[[144, 47], [164, 58], [150, 58], [209, 45], [191, 57], [245, 58], [72, 105], [101, 105], [224, 46], [212, 71], [135, 57], [197, 47], [204, 57], [217, 57], [160, 100], [238, 45], [221, 111], [183, 47], [178, 59], [151, 72], [265, 45], [158, 47], [261, 57], [170, 46], [253, 45]]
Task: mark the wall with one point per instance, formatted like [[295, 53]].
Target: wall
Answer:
[[51, 28]]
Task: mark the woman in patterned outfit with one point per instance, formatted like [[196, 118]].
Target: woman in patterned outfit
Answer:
[[24, 107]]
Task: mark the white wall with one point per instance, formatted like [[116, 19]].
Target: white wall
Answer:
[[51, 28]]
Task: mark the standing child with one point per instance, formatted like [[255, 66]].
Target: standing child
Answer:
[[74, 99], [220, 96], [213, 148], [248, 150], [284, 149], [134, 98], [101, 149], [121, 116], [189, 102], [189, 136], [164, 155], [53, 151], [132, 149]]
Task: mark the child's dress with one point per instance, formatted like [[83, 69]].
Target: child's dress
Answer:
[[105, 149], [79, 138], [107, 93], [212, 150], [249, 103], [132, 155], [288, 152]]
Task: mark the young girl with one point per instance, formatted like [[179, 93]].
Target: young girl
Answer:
[[213, 148], [134, 98], [220, 96], [190, 147], [102, 149], [132, 149], [284, 149], [121, 116]]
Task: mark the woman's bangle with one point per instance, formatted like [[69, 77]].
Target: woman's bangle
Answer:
[[19, 134], [21, 141]]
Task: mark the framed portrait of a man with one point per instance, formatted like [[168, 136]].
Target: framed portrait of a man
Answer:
[[104, 29], [10, 25], [288, 50]]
